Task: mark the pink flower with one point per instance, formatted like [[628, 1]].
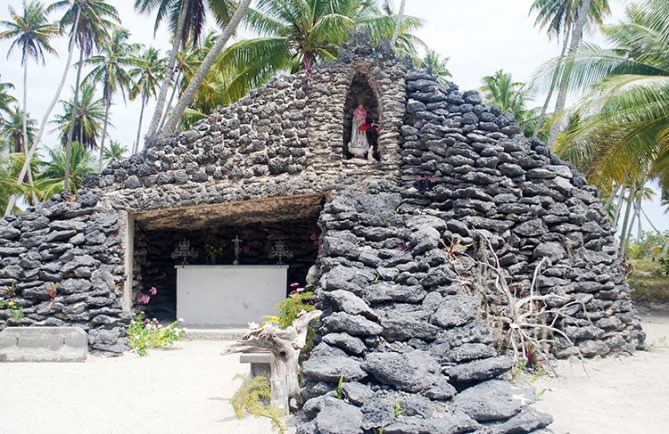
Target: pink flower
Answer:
[[153, 290], [142, 299], [294, 285]]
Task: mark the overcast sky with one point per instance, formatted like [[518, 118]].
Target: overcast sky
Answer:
[[479, 37]]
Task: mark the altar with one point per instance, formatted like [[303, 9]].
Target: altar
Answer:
[[229, 295]]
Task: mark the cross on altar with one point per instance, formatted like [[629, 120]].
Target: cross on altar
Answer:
[[236, 241]]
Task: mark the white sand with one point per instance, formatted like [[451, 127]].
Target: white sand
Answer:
[[187, 389], [616, 395]]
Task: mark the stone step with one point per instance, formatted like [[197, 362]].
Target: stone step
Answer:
[[214, 334]]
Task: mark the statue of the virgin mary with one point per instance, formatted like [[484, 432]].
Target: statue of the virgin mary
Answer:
[[359, 145]]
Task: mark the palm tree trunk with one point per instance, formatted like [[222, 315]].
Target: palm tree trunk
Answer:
[[104, 129], [25, 125], [187, 97], [619, 206], [628, 209], [160, 104], [73, 118], [11, 203], [135, 147], [576, 37], [609, 201], [398, 24], [638, 218], [169, 103], [551, 89]]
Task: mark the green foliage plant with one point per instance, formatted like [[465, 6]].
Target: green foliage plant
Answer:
[[338, 393], [397, 410], [298, 301], [144, 334], [252, 398]]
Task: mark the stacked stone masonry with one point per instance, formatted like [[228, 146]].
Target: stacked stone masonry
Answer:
[[410, 342]]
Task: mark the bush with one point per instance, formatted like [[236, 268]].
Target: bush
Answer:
[[144, 334], [253, 397]]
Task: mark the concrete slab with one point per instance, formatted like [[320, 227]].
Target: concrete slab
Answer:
[[43, 344]]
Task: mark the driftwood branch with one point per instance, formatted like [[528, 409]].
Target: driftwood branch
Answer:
[[285, 346]]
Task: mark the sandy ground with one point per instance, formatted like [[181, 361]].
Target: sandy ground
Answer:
[[187, 389], [616, 395]]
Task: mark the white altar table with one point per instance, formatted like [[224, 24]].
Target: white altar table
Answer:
[[229, 295]]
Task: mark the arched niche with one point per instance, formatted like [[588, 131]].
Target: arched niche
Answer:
[[361, 90]]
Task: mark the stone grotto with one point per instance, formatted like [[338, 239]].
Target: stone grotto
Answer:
[[398, 240]]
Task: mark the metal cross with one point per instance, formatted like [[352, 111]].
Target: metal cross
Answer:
[[236, 242]]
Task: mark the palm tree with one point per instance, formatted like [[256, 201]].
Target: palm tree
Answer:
[[6, 99], [110, 69], [53, 175], [115, 152], [147, 74], [13, 132], [10, 166], [560, 18], [30, 32], [84, 118], [294, 34], [623, 132], [90, 22], [501, 91], [11, 203], [187, 19], [437, 65], [187, 98]]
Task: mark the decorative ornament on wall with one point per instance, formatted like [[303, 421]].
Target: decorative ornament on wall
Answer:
[[184, 251], [280, 251]]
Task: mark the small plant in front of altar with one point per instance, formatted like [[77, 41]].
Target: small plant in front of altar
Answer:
[[253, 397], [144, 333], [7, 301]]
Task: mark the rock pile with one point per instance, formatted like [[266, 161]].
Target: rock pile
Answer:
[[409, 344], [75, 249]]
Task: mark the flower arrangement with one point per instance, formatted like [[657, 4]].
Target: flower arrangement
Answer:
[[154, 274], [144, 333], [214, 249], [367, 126], [317, 242]]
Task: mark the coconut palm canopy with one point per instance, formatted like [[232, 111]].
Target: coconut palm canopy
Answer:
[[620, 129], [294, 34]]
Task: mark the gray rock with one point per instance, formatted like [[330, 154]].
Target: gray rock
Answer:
[[346, 342], [455, 310], [355, 325], [527, 421], [493, 400], [357, 393], [329, 364], [349, 303], [412, 372], [550, 250], [478, 370]]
